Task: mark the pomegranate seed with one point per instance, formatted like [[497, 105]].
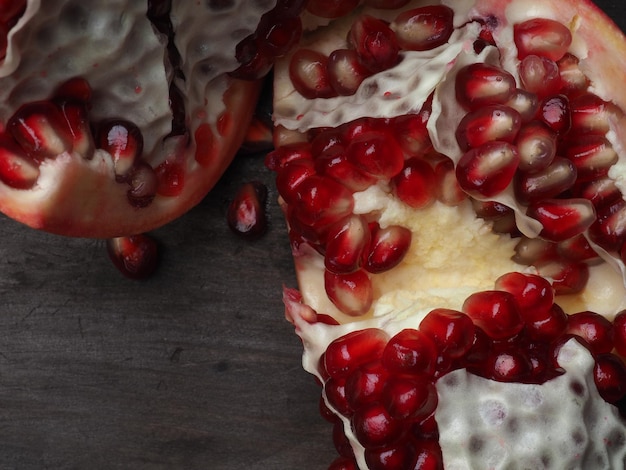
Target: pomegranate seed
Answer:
[[253, 63], [308, 71], [424, 28], [495, 122], [326, 412], [365, 385], [507, 366], [40, 129], [123, 140], [373, 426], [411, 132], [331, 8], [452, 331], [345, 245], [347, 353], [536, 144], [335, 391], [143, 183], [547, 183], [601, 192], [567, 277], [285, 154], [449, 192], [577, 249], [590, 114], [135, 256], [548, 327], [10, 10], [410, 397], [562, 218], [539, 75], [593, 156], [609, 230], [246, 212], [487, 170], [346, 72], [415, 185], [386, 4], [390, 457], [341, 442], [479, 85], [555, 112], [410, 351], [532, 293], [322, 201], [77, 121], [171, 178], [291, 175], [343, 463], [619, 328], [374, 42], [543, 37], [529, 251], [573, 79], [337, 167], [376, 153], [525, 103], [495, 312], [387, 249], [609, 375], [429, 455], [17, 169], [490, 210], [594, 329], [351, 293], [276, 35]]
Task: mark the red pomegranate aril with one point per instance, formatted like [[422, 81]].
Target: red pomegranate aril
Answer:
[[555, 112], [40, 129], [490, 210], [343, 463], [348, 352], [10, 10], [322, 201], [387, 249], [278, 34], [335, 391], [365, 385], [291, 175], [308, 71], [17, 169], [537, 145], [602, 192], [449, 191], [373, 426], [331, 8], [136, 256], [549, 327], [543, 37], [451, 330], [340, 440], [619, 329], [284, 154], [246, 212], [532, 293], [558, 177], [346, 243], [143, 185], [424, 28], [411, 132], [410, 397], [346, 72], [337, 167], [123, 140], [429, 455], [77, 121], [539, 75], [352, 293], [562, 218], [326, 413], [393, 457], [610, 377], [487, 170], [525, 103], [577, 249], [374, 42], [494, 122], [609, 229], [593, 156], [567, 277], [495, 312], [410, 351], [573, 79], [590, 114], [170, 178], [376, 153], [415, 185], [479, 85], [594, 329], [529, 251], [253, 62], [507, 366]]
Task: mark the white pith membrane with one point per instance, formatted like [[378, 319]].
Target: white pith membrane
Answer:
[[454, 253], [115, 47]]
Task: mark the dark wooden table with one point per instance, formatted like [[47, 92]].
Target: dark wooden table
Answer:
[[193, 369]]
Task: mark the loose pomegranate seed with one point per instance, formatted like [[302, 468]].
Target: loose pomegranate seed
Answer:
[[495, 122], [143, 183], [562, 218], [540, 75], [366, 384], [376, 153], [291, 175], [543, 37], [610, 377], [555, 112], [573, 79], [346, 72], [390, 457], [424, 28], [410, 397], [415, 185], [374, 42], [525, 103], [558, 177], [387, 249], [590, 114], [308, 71], [246, 212], [410, 351], [373, 426], [347, 242], [619, 328], [123, 140], [479, 85], [487, 170], [331, 8], [17, 169], [495, 312], [536, 144], [567, 277], [593, 156], [351, 293], [136, 256], [322, 201], [594, 329], [609, 230], [345, 354], [452, 331]]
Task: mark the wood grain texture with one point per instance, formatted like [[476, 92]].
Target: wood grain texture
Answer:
[[195, 368]]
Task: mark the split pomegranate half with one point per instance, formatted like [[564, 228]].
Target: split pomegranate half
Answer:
[[452, 177]]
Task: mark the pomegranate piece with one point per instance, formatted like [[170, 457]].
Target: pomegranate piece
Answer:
[[424, 28], [246, 215], [374, 42], [136, 256], [543, 37]]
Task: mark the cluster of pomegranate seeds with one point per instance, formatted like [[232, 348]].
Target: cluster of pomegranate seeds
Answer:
[[373, 46], [135, 256], [384, 387]]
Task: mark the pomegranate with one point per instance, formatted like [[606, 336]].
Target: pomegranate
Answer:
[[117, 117], [457, 221]]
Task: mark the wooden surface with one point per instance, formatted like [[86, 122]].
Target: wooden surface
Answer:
[[195, 368]]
